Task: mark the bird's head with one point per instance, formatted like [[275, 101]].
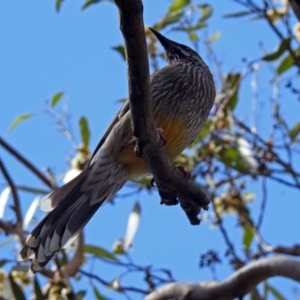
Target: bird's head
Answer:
[[177, 52]]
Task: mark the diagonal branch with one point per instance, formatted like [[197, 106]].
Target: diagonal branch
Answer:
[[73, 266], [170, 182], [296, 8], [237, 285], [17, 228], [25, 162], [15, 195], [108, 283]]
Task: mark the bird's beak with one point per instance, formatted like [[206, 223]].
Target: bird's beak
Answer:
[[166, 43]]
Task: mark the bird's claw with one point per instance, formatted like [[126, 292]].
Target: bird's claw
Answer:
[[161, 136], [137, 151]]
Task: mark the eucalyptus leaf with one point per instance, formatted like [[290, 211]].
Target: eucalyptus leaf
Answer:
[[99, 252], [281, 49], [91, 2], [85, 132], [294, 132], [56, 98], [206, 12], [121, 50], [232, 158], [58, 4], [275, 292], [238, 14], [16, 289], [18, 120], [248, 237], [287, 63], [97, 294], [178, 4], [38, 291]]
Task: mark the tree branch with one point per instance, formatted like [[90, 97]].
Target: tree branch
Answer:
[[238, 285], [18, 227], [77, 260], [170, 182], [108, 283], [15, 195], [25, 162], [296, 8]]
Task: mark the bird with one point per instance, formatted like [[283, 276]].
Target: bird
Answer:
[[181, 95]]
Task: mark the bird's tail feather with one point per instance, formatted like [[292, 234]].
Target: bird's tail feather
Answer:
[[74, 209], [53, 199]]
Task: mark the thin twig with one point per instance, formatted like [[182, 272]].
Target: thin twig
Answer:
[[25, 162], [108, 283], [77, 260], [263, 203], [15, 195]]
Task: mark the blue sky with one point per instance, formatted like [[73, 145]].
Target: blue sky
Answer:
[[44, 52]]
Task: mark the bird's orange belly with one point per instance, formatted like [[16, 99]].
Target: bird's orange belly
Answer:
[[176, 142]]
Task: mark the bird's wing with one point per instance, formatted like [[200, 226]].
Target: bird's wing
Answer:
[[124, 109], [53, 199]]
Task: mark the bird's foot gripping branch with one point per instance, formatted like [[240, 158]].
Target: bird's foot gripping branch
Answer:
[[137, 149]]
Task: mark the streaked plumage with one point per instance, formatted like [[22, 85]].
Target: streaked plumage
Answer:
[[182, 94]]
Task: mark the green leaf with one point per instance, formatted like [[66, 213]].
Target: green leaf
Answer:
[[238, 14], [275, 293], [293, 133], [215, 37], [265, 291], [16, 289], [193, 36], [287, 62], [64, 258], [97, 294], [172, 17], [80, 295], [178, 4], [143, 182], [281, 49], [99, 252], [231, 86], [37, 289], [56, 98], [120, 49], [91, 2], [85, 132], [58, 4], [199, 25], [3, 262], [248, 237], [206, 12], [232, 158], [18, 120]]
